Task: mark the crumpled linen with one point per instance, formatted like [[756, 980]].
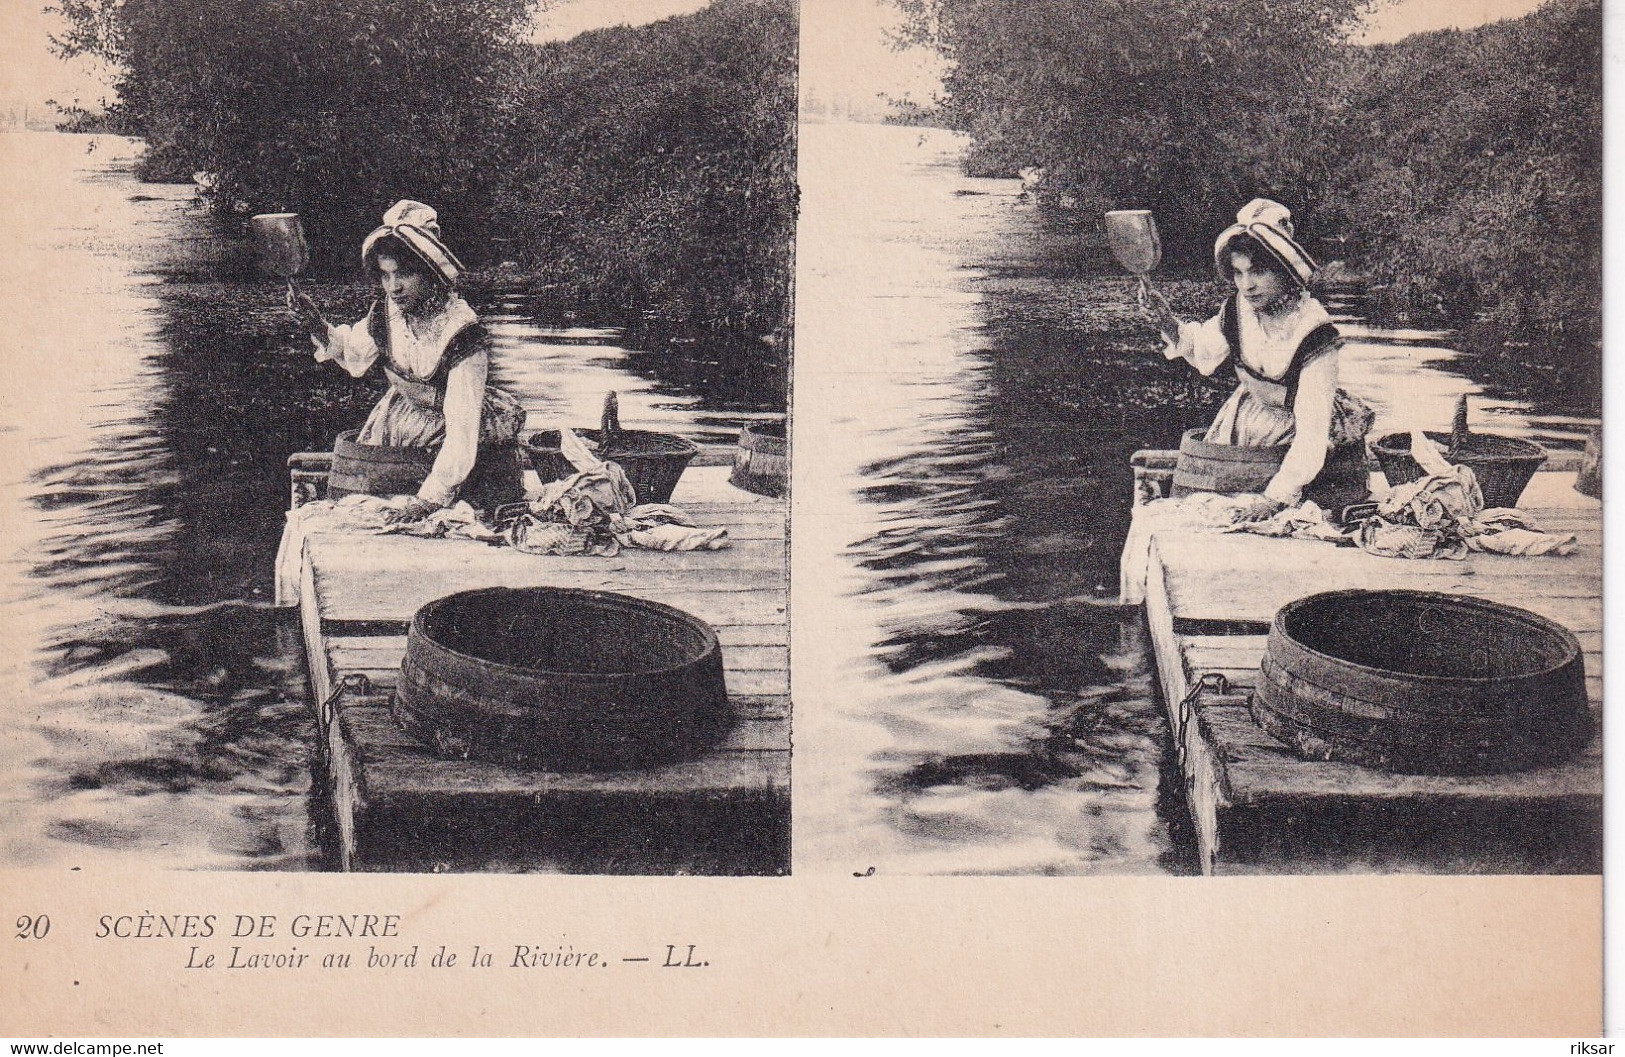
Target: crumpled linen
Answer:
[[592, 512], [364, 514], [1438, 516], [595, 511], [1441, 515]]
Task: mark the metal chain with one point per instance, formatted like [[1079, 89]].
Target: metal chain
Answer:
[[355, 684], [1207, 682]]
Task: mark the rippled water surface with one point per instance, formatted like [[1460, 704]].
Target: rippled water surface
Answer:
[[971, 379], [155, 706]]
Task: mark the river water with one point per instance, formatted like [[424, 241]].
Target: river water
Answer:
[[971, 379], [155, 706]]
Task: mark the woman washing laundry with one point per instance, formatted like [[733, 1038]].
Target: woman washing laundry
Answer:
[[436, 357], [1284, 348]]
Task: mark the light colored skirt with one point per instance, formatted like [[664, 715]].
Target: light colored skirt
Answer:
[[398, 421], [1249, 422]]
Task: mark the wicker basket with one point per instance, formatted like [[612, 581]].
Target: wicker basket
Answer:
[[653, 462], [1503, 465]]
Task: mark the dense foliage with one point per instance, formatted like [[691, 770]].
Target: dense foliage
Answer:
[[1180, 106], [656, 166], [326, 108], [1459, 170], [1471, 182], [648, 169]]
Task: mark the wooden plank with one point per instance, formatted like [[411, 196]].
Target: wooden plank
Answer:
[[764, 728], [733, 635], [1259, 768], [754, 758], [1203, 771], [360, 654], [1226, 578], [321, 675], [394, 555], [1199, 597], [356, 598], [391, 582], [1241, 553], [345, 784], [1237, 658], [359, 584], [737, 682], [745, 706]]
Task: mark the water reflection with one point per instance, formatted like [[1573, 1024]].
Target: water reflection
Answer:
[[156, 704], [973, 378]]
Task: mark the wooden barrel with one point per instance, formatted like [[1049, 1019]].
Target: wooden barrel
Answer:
[[1589, 479], [561, 679], [375, 469], [1422, 683], [762, 460], [1233, 468]]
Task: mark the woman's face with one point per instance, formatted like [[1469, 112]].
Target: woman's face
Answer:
[[407, 288], [1260, 286]]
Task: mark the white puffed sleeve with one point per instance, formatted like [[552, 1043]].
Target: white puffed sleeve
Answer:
[[1202, 345], [350, 345]]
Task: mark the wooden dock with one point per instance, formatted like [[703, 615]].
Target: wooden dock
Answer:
[[398, 806], [1257, 807]]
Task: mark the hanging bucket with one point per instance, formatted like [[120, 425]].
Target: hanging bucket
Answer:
[[1343, 480], [279, 241], [561, 679]]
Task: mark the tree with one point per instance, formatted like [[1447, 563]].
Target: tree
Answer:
[[324, 107], [657, 166], [1472, 181], [1186, 107]]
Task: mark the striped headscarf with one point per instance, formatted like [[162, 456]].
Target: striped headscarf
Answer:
[[417, 226], [1271, 224]]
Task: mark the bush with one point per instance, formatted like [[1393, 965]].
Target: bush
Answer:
[[1473, 177], [655, 166], [330, 109], [1185, 107]]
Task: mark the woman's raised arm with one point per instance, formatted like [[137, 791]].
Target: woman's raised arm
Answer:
[[349, 345]]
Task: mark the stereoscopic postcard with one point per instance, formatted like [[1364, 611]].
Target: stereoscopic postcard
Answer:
[[849, 517]]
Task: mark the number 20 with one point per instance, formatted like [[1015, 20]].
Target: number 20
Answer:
[[33, 928]]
